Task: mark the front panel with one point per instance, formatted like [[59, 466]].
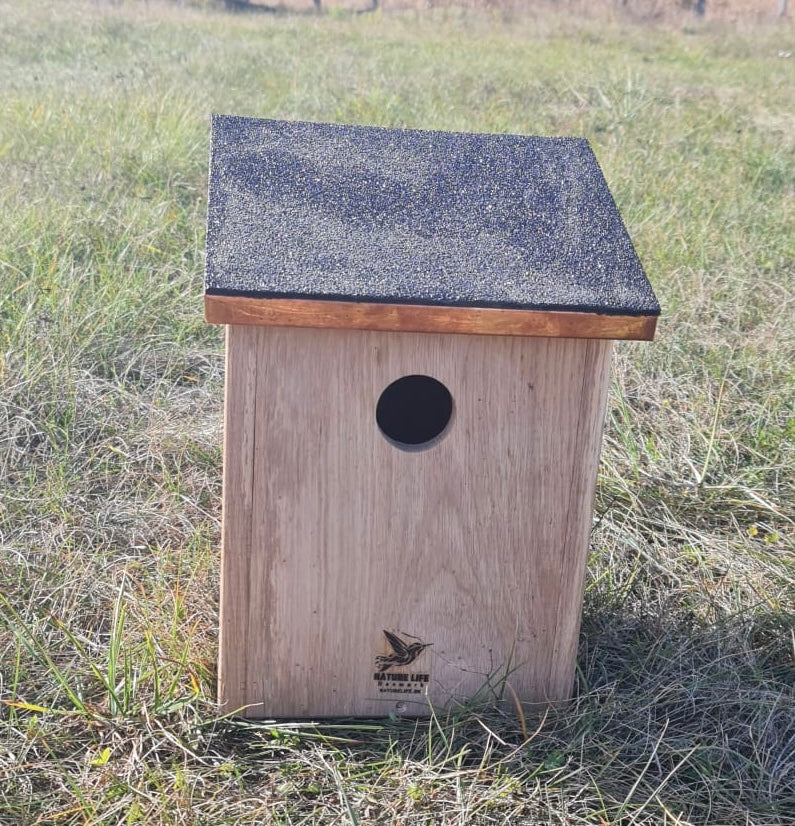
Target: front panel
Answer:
[[368, 570]]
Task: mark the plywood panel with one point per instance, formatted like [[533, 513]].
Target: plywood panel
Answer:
[[237, 553], [475, 546]]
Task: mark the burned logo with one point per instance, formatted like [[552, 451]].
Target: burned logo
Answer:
[[390, 675], [404, 653]]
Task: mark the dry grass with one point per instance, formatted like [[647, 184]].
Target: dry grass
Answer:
[[110, 432]]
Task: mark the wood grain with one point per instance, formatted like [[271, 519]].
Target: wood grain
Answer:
[[349, 315], [238, 514], [333, 535]]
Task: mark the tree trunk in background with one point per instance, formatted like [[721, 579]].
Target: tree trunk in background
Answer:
[[318, 5], [701, 8], [782, 8]]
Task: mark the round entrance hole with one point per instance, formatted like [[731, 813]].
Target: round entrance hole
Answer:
[[414, 411]]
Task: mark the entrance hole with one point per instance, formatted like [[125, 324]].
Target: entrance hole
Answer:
[[414, 412]]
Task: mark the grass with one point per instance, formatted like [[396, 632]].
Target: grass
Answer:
[[110, 426]]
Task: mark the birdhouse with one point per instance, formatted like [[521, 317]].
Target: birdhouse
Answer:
[[419, 331]]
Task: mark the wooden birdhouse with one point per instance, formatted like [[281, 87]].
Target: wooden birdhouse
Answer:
[[419, 329]]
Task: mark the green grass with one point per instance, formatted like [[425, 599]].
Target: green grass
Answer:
[[110, 425]]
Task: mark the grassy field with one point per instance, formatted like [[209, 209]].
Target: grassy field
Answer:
[[110, 423]]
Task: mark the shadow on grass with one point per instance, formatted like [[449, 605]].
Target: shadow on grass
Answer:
[[670, 714], [244, 7], [248, 7]]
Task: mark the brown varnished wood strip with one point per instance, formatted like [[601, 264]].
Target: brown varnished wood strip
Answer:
[[350, 315]]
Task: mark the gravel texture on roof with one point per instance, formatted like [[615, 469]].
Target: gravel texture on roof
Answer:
[[358, 213]]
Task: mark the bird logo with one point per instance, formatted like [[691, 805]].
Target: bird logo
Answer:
[[404, 652]]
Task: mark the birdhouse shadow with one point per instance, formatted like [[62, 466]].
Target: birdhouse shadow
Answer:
[[660, 682]]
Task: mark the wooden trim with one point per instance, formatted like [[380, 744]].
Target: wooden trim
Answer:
[[420, 318]]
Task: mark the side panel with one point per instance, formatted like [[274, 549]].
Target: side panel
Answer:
[[237, 517], [333, 536]]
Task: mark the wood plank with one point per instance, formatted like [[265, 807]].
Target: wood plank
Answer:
[[353, 315], [237, 513], [586, 441], [476, 545]]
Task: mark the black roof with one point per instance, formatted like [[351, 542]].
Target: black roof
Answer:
[[322, 211]]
